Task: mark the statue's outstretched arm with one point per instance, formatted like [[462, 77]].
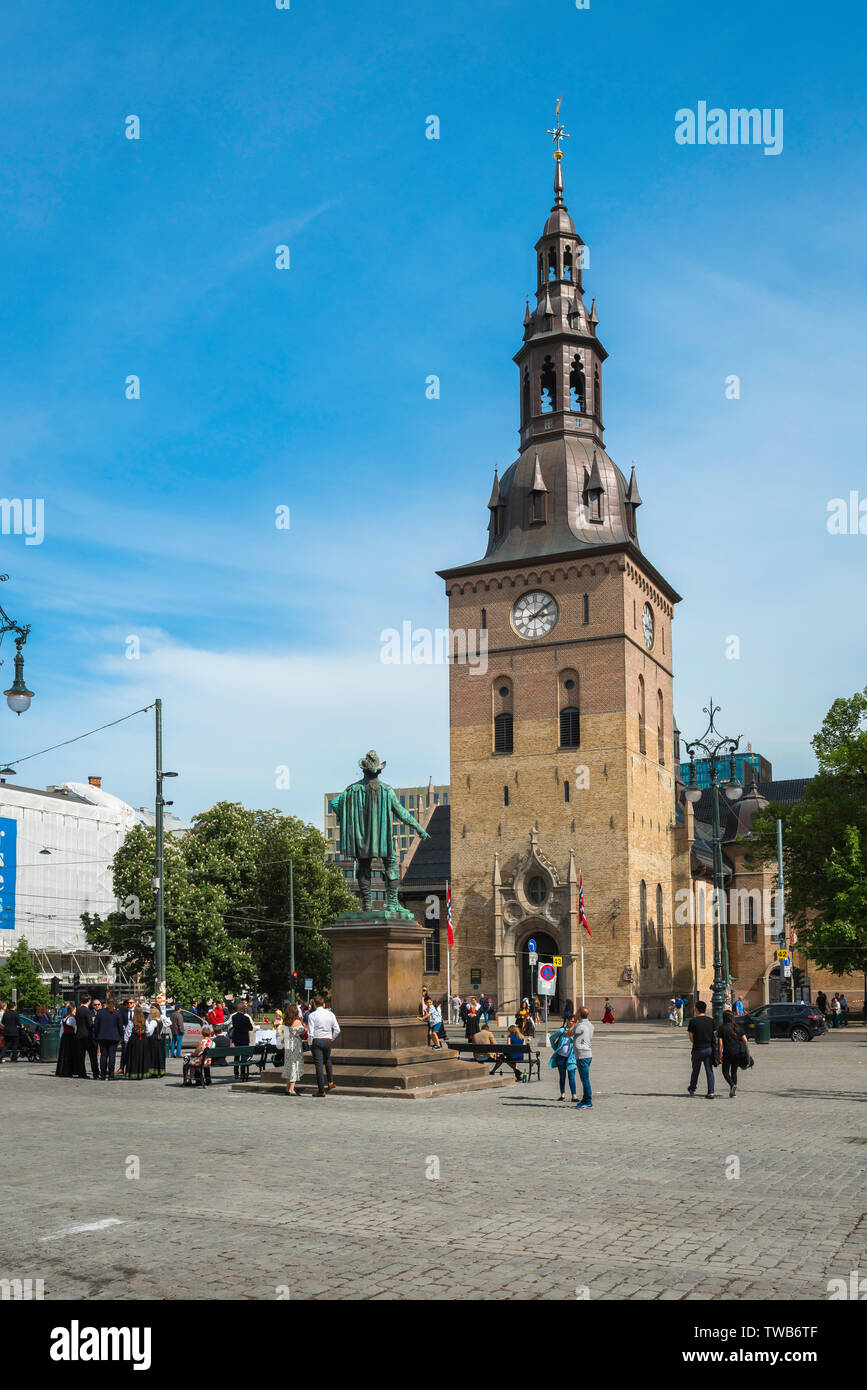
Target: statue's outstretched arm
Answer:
[[408, 818]]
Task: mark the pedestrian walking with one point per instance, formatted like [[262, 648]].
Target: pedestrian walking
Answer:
[[456, 1008], [739, 1006], [679, 1006], [137, 1063], [178, 1027], [107, 1033], [435, 1024], [822, 1004], [322, 1029], [67, 1054], [844, 1011], [704, 1050], [126, 1012], [583, 1038], [836, 1011], [672, 1014], [11, 1021], [294, 1037], [563, 1058], [156, 1043], [568, 1013], [84, 1039], [608, 1014], [734, 1052]]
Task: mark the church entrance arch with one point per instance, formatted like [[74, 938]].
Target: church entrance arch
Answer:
[[547, 949]]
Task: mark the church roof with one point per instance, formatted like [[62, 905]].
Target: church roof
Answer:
[[431, 860]]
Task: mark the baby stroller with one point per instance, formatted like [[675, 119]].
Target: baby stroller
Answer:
[[28, 1044]]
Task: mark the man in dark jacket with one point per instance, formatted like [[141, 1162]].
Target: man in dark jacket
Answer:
[[11, 1027], [84, 1043], [176, 1019], [704, 1048], [241, 1031], [107, 1031]]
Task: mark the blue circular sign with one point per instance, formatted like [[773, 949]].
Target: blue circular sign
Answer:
[[547, 973], [531, 945]]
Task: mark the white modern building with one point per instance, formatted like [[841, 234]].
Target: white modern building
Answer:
[[56, 852]]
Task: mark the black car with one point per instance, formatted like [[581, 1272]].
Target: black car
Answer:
[[800, 1022]]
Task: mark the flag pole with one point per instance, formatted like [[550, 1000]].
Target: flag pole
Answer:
[[448, 962], [581, 930]]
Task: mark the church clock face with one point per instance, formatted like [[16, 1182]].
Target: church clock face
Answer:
[[647, 624], [534, 614]]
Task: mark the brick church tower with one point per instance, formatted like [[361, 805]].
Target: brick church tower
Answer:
[[562, 756]]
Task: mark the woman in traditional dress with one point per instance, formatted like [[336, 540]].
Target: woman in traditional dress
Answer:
[[137, 1064], [294, 1034], [156, 1043], [67, 1054], [608, 1016]]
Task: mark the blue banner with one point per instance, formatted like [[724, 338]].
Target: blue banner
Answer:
[[8, 865]]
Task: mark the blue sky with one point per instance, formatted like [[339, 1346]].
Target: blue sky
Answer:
[[409, 257]]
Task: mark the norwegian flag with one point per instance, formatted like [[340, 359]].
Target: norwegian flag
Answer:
[[582, 916], [449, 928]]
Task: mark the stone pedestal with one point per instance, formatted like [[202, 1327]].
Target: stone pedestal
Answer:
[[377, 978]]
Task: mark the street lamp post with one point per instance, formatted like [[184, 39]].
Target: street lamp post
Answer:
[[159, 887], [18, 697], [715, 747]]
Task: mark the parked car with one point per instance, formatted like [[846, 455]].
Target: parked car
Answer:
[[800, 1022], [192, 1028]]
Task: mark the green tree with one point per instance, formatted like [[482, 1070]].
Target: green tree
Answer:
[[823, 844], [19, 972], [226, 903]]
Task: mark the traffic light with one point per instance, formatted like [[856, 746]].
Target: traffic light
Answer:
[[55, 986], [76, 980], [294, 977]]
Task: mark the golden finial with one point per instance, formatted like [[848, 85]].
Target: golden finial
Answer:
[[559, 132]]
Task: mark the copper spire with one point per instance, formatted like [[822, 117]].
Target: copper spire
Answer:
[[558, 133]]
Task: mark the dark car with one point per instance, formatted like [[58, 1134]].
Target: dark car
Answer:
[[800, 1022]]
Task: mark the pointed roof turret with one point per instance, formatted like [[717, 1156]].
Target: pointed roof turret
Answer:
[[633, 497], [538, 483], [495, 492], [594, 317], [595, 484]]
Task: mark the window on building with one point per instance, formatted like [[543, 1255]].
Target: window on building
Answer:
[[642, 896], [504, 734], [702, 945], [567, 263], [506, 795], [525, 397], [586, 608], [660, 729], [570, 727], [547, 387], [432, 952], [751, 932], [484, 619], [565, 791], [552, 264], [537, 890], [642, 732], [577, 386], [597, 395], [660, 929]]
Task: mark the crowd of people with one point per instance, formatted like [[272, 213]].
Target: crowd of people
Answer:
[[111, 1040], [835, 1009]]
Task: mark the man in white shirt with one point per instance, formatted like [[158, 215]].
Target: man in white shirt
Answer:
[[456, 1008], [583, 1041], [322, 1029]]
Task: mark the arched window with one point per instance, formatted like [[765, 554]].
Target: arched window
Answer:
[[660, 729], [537, 890], [702, 949], [503, 734], [642, 731], [597, 395], [567, 263], [552, 264], [503, 715], [660, 938], [577, 386], [547, 387], [525, 397], [484, 619], [541, 270], [643, 923], [570, 710]]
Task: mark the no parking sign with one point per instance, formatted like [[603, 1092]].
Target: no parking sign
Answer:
[[547, 983]]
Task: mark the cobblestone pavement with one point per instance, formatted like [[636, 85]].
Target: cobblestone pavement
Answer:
[[239, 1195]]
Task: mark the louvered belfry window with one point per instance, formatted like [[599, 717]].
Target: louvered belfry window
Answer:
[[503, 733], [570, 727]]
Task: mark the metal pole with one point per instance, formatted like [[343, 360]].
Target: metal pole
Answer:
[[160, 932], [719, 995], [581, 932], [292, 926], [781, 905]]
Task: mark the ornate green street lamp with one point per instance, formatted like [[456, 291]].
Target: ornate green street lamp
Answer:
[[18, 697], [717, 749]]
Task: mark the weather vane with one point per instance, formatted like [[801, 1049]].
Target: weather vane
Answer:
[[559, 132]]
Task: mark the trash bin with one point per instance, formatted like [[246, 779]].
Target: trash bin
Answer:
[[763, 1031], [49, 1044]]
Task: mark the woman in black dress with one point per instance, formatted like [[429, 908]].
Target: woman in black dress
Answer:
[[137, 1064], [156, 1043], [67, 1053]]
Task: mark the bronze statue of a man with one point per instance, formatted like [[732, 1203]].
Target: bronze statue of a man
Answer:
[[365, 811]]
